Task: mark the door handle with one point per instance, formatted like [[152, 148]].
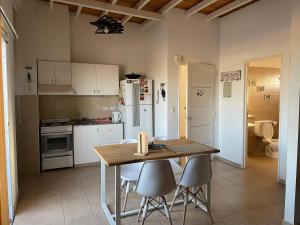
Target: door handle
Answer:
[[189, 117]]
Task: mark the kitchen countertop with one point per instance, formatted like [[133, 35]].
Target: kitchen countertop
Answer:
[[87, 122]]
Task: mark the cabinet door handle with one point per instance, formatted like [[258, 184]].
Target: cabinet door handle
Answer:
[[52, 80], [57, 81], [94, 91], [98, 91]]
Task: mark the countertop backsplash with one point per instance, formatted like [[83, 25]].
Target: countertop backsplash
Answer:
[[75, 107]]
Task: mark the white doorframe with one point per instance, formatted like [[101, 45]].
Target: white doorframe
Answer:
[[245, 152], [179, 72]]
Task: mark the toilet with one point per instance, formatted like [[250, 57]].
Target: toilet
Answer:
[[265, 129]]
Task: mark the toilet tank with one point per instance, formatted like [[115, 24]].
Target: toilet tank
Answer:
[[258, 129]]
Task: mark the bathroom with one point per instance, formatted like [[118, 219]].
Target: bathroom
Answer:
[[263, 99]]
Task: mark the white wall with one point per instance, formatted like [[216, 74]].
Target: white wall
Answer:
[[293, 121], [124, 49], [155, 56], [26, 47], [259, 30], [8, 8], [53, 36], [197, 41]]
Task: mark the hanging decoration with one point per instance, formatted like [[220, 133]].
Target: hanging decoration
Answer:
[[231, 76], [108, 25]]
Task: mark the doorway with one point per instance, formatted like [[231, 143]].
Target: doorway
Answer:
[[263, 86]]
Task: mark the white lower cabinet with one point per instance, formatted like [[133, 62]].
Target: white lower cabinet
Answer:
[[88, 136]]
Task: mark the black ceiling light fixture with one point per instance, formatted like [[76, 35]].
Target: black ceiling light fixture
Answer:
[[108, 25]]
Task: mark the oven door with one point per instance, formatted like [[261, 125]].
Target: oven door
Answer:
[[57, 144]]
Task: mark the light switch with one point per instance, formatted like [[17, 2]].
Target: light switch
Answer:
[[173, 109]]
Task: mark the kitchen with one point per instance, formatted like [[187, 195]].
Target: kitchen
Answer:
[[81, 95], [60, 89]]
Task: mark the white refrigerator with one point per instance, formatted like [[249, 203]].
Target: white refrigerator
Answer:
[[135, 105]]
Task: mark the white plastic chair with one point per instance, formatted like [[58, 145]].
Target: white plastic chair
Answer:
[[155, 181], [196, 173], [129, 174], [177, 170]]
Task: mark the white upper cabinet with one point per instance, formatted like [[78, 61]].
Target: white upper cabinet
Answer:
[[107, 79], [46, 72], [63, 74], [95, 79], [54, 73], [83, 78]]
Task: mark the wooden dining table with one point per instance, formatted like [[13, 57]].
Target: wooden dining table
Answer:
[[121, 154]]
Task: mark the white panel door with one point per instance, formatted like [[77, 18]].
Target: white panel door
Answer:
[[107, 79], [200, 103], [84, 78], [46, 72], [63, 73], [85, 139]]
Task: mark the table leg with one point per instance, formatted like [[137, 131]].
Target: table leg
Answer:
[[117, 195], [103, 183]]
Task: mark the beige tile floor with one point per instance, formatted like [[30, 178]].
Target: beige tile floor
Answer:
[[71, 197]]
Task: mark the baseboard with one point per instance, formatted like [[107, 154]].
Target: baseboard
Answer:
[[230, 162], [286, 223], [87, 164]]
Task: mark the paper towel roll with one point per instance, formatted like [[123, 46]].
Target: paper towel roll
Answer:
[[142, 148]]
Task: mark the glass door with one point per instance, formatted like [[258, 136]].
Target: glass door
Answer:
[[7, 127]]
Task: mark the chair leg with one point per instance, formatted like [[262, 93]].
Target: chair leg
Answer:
[[164, 202], [186, 196], [194, 191], [175, 197], [141, 207], [145, 211], [126, 195], [123, 183], [205, 202]]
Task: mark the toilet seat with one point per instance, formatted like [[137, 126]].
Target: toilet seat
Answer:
[[267, 131], [271, 144], [271, 140]]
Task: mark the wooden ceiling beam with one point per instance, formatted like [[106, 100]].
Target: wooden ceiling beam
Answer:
[[234, 5], [199, 6], [170, 5], [51, 4], [106, 12], [78, 11], [138, 5], [166, 8], [93, 4]]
